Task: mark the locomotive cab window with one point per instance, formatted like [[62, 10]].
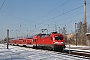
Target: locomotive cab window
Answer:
[[58, 38]]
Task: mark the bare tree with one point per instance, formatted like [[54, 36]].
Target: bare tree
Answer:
[[80, 34], [63, 31], [88, 28]]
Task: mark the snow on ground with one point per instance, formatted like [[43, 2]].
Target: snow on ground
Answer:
[[78, 48], [22, 53]]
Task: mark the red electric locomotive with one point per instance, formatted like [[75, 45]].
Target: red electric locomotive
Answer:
[[53, 41]]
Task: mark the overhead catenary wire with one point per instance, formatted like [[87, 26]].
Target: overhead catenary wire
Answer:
[[15, 16], [2, 4], [72, 20], [56, 16], [73, 16], [61, 14], [36, 19], [52, 10], [65, 23]]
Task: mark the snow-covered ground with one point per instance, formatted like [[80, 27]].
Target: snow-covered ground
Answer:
[[78, 48], [22, 53]]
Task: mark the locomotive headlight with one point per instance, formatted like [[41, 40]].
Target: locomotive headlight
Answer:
[[61, 42], [58, 43], [55, 42]]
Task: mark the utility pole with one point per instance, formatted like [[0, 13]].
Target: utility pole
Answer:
[[76, 33], [55, 28], [85, 23], [59, 29], [7, 38]]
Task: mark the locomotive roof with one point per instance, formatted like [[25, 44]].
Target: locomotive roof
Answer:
[[42, 34], [30, 36]]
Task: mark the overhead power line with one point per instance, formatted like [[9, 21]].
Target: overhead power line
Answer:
[[53, 10], [2, 4], [61, 14], [66, 23], [48, 12], [36, 19], [16, 17]]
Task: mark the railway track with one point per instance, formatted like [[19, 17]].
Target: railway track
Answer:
[[81, 53], [76, 53]]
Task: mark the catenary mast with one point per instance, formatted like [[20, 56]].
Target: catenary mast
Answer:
[[85, 23]]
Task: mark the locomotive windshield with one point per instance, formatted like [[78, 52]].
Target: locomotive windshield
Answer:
[[58, 38]]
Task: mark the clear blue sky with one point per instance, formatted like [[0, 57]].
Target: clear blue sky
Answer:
[[24, 17]]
